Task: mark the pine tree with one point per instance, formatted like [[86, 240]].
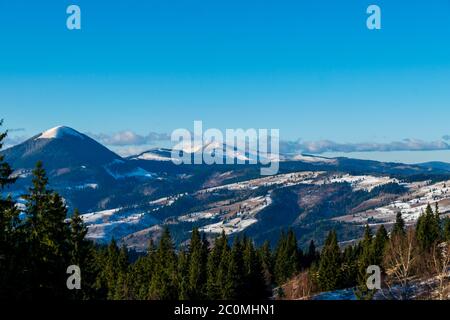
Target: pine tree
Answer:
[[312, 254], [5, 169], [11, 237], [141, 274], [197, 269], [164, 280], [82, 254], [379, 245], [446, 229], [254, 281], [287, 257], [350, 266], [184, 264], [222, 272], [399, 226], [47, 236], [428, 228], [267, 263], [366, 258], [234, 283], [329, 272], [121, 287], [215, 267]]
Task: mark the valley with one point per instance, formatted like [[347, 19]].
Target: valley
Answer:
[[131, 199]]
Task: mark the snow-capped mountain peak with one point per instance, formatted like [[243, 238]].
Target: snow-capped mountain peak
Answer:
[[60, 132]]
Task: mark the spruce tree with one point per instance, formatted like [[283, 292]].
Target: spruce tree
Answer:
[[329, 273], [446, 229], [254, 282], [287, 257], [215, 268], [265, 254], [164, 280], [184, 264], [234, 284], [11, 237], [312, 254], [366, 258], [82, 254], [350, 267], [47, 236], [197, 269], [428, 229], [379, 245], [399, 226]]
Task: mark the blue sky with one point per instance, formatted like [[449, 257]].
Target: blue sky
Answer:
[[310, 68]]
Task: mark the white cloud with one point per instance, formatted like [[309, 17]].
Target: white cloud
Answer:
[[129, 138], [322, 146]]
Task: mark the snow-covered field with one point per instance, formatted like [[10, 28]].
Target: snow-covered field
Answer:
[[359, 182], [235, 215], [411, 206], [288, 179], [239, 221], [104, 225], [231, 226]]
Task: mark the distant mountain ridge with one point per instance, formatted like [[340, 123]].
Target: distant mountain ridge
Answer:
[[132, 198]]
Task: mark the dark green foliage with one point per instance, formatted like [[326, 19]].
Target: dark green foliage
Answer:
[[446, 229], [428, 228], [265, 254], [399, 226], [255, 285], [197, 266], [379, 245], [312, 255], [329, 272], [287, 257], [11, 236], [216, 267], [46, 238], [164, 284], [350, 266]]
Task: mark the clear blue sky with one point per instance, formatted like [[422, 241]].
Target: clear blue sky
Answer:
[[310, 68]]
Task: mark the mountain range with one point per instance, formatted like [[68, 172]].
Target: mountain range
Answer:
[[131, 198]]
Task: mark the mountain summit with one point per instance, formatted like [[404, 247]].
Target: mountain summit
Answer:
[[59, 147], [60, 132]]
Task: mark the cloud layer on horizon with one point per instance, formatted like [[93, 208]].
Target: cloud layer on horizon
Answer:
[[323, 146], [129, 138], [131, 141]]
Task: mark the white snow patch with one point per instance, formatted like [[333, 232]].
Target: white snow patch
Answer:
[[60, 132], [151, 156]]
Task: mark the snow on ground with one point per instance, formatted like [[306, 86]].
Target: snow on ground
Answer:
[[313, 159], [288, 179], [237, 222], [231, 226], [59, 132], [411, 206], [103, 225], [152, 156], [359, 182], [85, 186], [195, 216], [93, 217]]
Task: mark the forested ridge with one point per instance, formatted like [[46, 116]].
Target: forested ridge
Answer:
[[38, 242]]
